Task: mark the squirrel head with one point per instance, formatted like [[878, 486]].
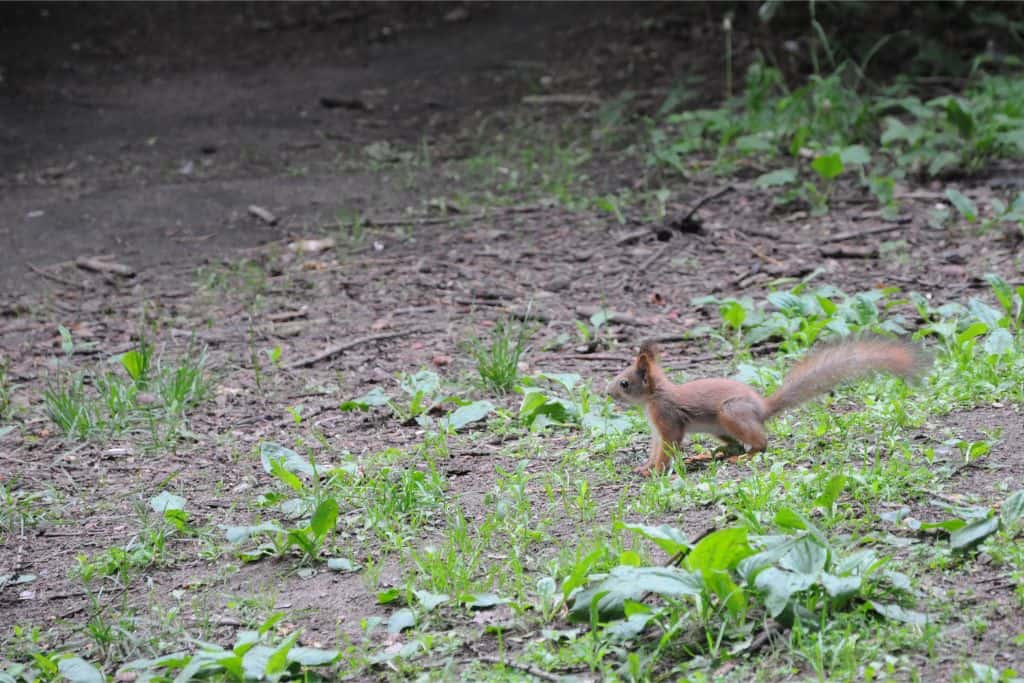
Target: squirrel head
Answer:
[[633, 384]]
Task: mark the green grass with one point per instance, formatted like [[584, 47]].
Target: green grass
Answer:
[[497, 359], [147, 395]]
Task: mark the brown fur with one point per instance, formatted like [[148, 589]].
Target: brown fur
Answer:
[[734, 411]]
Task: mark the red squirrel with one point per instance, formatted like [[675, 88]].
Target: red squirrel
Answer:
[[735, 412]]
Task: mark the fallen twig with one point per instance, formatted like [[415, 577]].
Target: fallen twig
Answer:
[[561, 98], [437, 220], [332, 351], [56, 278], [853, 234], [262, 214], [850, 252], [701, 202], [101, 266]]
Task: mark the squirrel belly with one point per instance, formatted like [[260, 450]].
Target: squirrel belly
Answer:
[[736, 412]]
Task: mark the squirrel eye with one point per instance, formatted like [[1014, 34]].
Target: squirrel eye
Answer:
[[624, 383]]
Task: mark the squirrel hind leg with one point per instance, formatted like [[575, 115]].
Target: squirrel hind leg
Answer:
[[742, 421]]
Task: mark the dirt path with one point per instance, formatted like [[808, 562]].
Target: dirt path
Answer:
[[117, 141]]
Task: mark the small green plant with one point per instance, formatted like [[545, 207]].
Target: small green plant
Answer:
[[69, 408], [257, 654], [148, 394], [5, 390], [497, 361], [590, 335]]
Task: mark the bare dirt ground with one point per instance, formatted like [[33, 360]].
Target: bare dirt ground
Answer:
[[144, 134]]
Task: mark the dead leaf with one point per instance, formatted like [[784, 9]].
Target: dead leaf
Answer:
[[380, 324], [441, 360]]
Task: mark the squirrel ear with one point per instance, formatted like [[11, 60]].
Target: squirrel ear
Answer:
[[645, 359]]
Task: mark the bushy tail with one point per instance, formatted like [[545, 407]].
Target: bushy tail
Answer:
[[823, 370]]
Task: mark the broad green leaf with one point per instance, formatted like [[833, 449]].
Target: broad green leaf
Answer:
[[973, 331], [942, 162], [77, 670], [430, 600], [467, 414], [775, 549], [787, 518], [985, 313], [897, 613], [239, 534], [312, 656], [949, 525], [721, 584], [537, 404], [567, 379], [963, 204], [960, 117], [783, 176], [631, 583], [278, 470], [1012, 509], [255, 660], [669, 539], [778, 586], [788, 303], [483, 600], [998, 342], [388, 595], [289, 459], [423, 382], [600, 424], [733, 313], [859, 562], [1014, 138], [135, 364], [278, 660], [342, 564], [974, 533], [600, 317], [630, 627], [720, 550], [855, 154], [750, 144], [371, 399], [833, 487], [806, 557], [1003, 292], [401, 620], [828, 166], [324, 517], [166, 501], [841, 587]]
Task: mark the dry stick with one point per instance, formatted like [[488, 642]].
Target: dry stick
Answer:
[[436, 220], [100, 266], [853, 234], [332, 351], [704, 200], [55, 277]]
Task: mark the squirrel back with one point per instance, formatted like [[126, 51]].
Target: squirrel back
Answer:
[[824, 369]]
